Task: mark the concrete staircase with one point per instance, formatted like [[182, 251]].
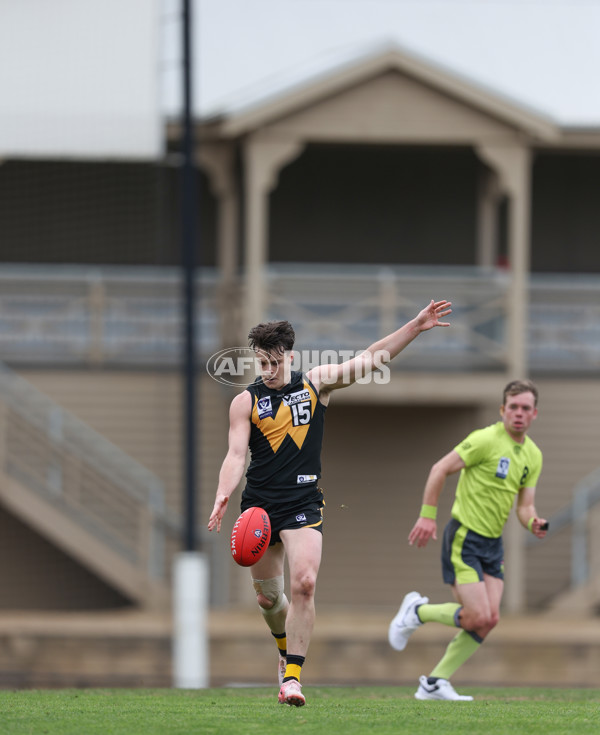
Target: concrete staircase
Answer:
[[83, 494]]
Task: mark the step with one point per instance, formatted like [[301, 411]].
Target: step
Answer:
[[133, 649]]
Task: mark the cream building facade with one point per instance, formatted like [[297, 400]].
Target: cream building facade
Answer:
[[344, 205], [394, 105]]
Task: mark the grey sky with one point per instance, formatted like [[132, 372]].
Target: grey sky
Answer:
[[542, 53]]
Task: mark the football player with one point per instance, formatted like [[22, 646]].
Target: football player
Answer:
[[280, 418]]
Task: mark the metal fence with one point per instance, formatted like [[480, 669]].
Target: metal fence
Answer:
[[131, 317]]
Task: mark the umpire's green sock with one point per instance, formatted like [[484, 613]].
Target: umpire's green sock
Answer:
[[460, 648], [446, 613]]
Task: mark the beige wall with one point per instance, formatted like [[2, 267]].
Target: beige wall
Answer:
[[36, 575], [376, 460]]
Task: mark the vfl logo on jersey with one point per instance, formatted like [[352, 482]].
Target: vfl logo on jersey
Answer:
[[300, 396], [301, 517], [306, 478], [264, 408], [503, 466]]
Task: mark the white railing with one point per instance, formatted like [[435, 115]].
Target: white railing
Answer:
[[564, 323], [68, 315], [77, 315], [348, 307]]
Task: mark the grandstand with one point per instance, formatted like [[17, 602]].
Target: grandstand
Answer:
[[343, 204]]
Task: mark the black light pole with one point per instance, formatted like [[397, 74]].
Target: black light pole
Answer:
[[190, 574], [189, 203]]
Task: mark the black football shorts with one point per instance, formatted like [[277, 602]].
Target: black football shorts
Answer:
[[297, 514], [467, 556]]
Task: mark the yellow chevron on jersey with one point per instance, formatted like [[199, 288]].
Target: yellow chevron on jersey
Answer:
[[292, 417]]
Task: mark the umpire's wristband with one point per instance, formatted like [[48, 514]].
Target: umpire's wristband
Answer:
[[429, 511], [530, 523]]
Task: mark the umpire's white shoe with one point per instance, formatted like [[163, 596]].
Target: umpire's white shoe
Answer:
[[442, 689], [406, 621]]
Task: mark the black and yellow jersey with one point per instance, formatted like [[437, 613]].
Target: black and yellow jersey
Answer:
[[286, 437]]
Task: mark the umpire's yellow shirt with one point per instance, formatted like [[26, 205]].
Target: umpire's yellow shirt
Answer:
[[496, 468]]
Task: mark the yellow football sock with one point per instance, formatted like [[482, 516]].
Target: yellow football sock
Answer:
[[293, 667], [292, 671], [281, 640]]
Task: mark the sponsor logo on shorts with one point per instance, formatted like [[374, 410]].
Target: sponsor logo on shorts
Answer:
[[503, 466], [306, 478], [264, 408], [301, 517]]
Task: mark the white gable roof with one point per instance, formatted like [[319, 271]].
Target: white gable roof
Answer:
[[248, 112]]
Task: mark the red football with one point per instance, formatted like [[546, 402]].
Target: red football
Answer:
[[250, 536]]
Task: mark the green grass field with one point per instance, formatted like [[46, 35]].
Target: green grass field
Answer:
[[347, 710]]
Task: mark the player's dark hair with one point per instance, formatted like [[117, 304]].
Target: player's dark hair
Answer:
[[515, 387], [272, 337]]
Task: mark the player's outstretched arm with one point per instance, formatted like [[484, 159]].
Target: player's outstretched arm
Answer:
[[426, 525], [331, 377], [233, 465]]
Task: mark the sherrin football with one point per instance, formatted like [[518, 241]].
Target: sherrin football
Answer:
[[250, 536]]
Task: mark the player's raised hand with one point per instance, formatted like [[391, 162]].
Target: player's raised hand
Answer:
[[430, 316], [423, 530]]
